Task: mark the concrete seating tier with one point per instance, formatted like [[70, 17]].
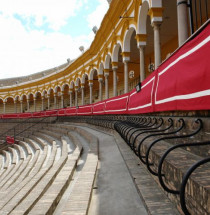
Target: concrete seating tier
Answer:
[[34, 178]]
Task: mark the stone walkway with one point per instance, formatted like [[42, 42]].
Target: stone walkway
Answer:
[[115, 192]]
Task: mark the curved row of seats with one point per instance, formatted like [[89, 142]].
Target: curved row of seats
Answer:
[[36, 172]]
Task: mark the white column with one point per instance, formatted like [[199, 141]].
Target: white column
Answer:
[[142, 63], [4, 107], [42, 103], [114, 81], [55, 100], [91, 92], [100, 80], [21, 106], [62, 100], [157, 47], [76, 97], [106, 85], [182, 17], [28, 104], [48, 102], [125, 76], [34, 105], [83, 94], [15, 106], [70, 98]]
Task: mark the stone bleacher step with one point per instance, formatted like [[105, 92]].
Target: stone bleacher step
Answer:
[[79, 200], [1, 161], [12, 197], [20, 151], [37, 187], [49, 201], [27, 147], [51, 134], [40, 143], [7, 159], [19, 173], [9, 166], [39, 178], [32, 143], [28, 168], [11, 173], [14, 155]]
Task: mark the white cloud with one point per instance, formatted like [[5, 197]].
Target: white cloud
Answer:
[[96, 17], [53, 12], [26, 51]]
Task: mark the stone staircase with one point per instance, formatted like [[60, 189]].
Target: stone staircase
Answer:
[[36, 172]]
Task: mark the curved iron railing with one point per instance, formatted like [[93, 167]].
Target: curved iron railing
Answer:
[[124, 129], [185, 180], [162, 159], [198, 121]]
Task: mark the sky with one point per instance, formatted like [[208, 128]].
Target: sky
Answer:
[[36, 35]]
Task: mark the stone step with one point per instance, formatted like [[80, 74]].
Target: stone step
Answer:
[[20, 172], [49, 201], [36, 174], [1, 161], [11, 173], [7, 156], [15, 157], [28, 149], [16, 193], [79, 200], [51, 134], [20, 151], [43, 183]]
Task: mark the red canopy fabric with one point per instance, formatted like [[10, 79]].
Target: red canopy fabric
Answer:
[[183, 81], [142, 102], [117, 105], [99, 108], [71, 111], [84, 110]]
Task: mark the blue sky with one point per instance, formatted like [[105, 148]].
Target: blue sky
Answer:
[[41, 34]]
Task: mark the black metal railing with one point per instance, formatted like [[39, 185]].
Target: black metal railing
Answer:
[[162, 131], [185, 180]]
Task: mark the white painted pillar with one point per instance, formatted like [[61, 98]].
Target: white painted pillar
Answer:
[[91, 91], [100, 81], [4, 107], [70, 98], [76, 96], [21, 106], [28, 104], [15, 106], [42, 103], [182, 17], [48, 102], [34, 104], [55, 100], [114, 81], [83, 94], [142, 63], [106, 85], [125, 76], [157, 47], [62, 99]]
